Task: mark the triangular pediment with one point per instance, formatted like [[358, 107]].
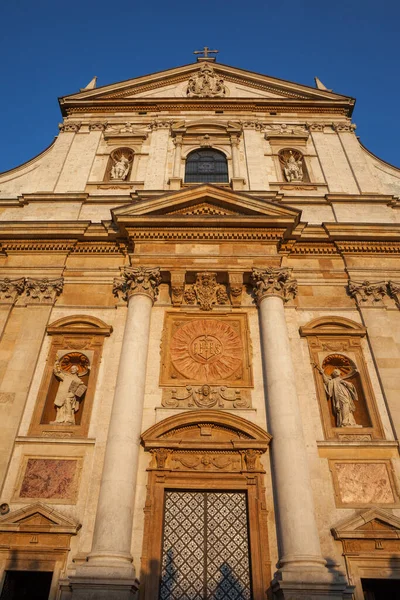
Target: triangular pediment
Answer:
[[37, 518], [173, 83], [372, 523], [208, 202]]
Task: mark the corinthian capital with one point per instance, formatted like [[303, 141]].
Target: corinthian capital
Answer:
[[367, 293], [10, 289], [273, 282], [43, 291], [394, 292], [138, 280]]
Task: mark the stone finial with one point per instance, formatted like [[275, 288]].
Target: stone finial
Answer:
[[367, 293], [43, 291], [394, 292], [138, 280], [273, 282], [10, 289]]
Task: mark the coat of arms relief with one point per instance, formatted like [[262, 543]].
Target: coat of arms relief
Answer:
[[206, 361]]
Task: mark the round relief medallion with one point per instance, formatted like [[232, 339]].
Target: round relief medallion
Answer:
[[206, 350]]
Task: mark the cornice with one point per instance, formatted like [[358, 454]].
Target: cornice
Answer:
[[337, 107], [205, 234], [363, 231]]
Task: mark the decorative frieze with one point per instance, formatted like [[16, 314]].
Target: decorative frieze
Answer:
[[285, 130], [206, 396], [273, 282], [43, 291], [367, 293], [137, 280], [206, 292], [10, 289]]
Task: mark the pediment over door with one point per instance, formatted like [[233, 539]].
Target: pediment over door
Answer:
[[207, 207], [38, 518], [372, 524]]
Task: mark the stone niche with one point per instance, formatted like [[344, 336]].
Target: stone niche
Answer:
[[206, 361], [344, 391], [65, 398]]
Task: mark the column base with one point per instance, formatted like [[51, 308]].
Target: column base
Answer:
[[311, 583], [98, 588]]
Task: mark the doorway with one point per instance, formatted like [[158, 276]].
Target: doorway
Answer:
[[205, 549], [381, 589], [26, 585]]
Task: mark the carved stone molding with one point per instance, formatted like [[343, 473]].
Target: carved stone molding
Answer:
[[367, 293], [394, 292], [273, 282], [10, 289], [206, 83], [206, 292], [138, 280], [69, 127], [206, 396], [42, 291]]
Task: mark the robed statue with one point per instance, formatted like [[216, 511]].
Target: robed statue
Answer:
[[69, 394], [343, 395]]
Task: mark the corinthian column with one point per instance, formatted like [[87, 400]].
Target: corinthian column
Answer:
[[110, 556], [300, 553]]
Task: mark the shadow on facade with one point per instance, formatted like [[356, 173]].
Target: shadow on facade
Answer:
[[187, 585]]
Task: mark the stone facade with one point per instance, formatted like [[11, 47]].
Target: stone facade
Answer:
[[238, 335]]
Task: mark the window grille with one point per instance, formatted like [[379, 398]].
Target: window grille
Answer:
[[206, 166]]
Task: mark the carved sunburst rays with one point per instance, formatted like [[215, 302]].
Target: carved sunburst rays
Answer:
[[207, 351]]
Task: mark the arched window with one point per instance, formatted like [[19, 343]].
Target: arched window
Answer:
[[206, 165]]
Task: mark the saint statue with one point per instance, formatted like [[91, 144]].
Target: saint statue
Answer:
[[120, 168], [343, 394], [69, 394], [293, 169]]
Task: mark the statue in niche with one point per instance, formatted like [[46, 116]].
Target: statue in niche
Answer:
[[120, 168], [293, 167], [343, 395], [69, 394]]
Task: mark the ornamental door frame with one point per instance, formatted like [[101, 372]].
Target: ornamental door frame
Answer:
[[205, 450], [371, 547]]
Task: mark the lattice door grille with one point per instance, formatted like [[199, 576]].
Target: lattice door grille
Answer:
[[205, 552]]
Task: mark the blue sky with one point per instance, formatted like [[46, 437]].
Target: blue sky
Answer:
[[49, 49]]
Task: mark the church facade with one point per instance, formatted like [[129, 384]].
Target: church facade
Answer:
[[200, 347]]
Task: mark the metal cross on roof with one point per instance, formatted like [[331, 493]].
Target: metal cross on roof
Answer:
[[206, 52]]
